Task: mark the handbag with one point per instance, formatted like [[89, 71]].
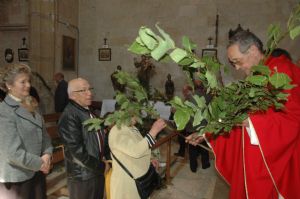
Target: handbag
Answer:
[[145, 184]]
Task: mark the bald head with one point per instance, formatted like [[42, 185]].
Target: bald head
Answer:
[[79, 90]]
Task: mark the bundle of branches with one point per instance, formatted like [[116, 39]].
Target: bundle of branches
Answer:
[[230, 104]]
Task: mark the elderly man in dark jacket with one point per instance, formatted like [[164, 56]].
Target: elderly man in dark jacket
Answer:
[[84, 150]]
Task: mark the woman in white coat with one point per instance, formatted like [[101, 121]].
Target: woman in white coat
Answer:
[[133, 151]]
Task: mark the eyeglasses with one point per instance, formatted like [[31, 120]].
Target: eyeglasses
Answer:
[[84, 90]]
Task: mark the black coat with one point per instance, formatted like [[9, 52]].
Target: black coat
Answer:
[[82, 154], [61, 97]]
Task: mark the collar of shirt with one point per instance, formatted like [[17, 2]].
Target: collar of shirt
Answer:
[[15, 98]]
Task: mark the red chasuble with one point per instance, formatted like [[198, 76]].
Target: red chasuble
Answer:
[[271, 168]]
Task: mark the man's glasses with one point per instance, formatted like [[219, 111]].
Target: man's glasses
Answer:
[[84, 90]]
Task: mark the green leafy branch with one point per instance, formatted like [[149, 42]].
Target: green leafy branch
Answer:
[[230, 104], [276, 34], [134, 103]]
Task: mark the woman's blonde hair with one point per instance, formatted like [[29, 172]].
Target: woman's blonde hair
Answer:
[[9, 73]]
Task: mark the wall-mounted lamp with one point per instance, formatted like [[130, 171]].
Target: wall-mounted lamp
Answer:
[[9, 55]]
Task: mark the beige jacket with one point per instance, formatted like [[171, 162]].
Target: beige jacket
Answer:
[[133, 151]]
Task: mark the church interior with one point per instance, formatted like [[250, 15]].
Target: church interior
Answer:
[[90, 38]]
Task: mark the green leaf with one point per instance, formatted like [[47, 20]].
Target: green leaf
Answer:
[[221, 103], [278, 105], [264, 70], [120, 98], [181, 118], [198, 118], [295, 32], [133, 84], [178, 101], [93, 124], [279, 80], [288, 86], [148, 37], [178, 54], [165, 59], [190, 104], [211, 79], [139, 41], [200, 101], [197, 64], [258, 80], [188, 44], [140, 95], [187, 61], [138, 49], [252, 92], [125, 105], [163, 45], [109, 120], [282, 96]]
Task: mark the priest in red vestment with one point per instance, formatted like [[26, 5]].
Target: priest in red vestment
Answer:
[[261, 160]]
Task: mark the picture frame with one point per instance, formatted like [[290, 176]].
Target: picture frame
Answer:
[[210, 52], [23, 54], [104, 54], [68, 54]]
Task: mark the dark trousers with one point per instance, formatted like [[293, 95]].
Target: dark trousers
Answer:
[[181, 141], [194, 152], [34, 188], [88, 189]]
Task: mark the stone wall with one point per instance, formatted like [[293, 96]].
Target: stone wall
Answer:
[[13, 26], [45, 22], [119, 21]]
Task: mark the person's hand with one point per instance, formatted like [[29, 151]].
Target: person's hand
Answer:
[[155, 163], [194, 139], [157, 126], [46, 165]]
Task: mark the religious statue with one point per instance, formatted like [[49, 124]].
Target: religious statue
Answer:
[[169, 87], [145, 71], [116, 85]]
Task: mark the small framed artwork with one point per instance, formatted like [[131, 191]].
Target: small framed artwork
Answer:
[[68, 54], [209, 52], [23, 54], [104, 54]]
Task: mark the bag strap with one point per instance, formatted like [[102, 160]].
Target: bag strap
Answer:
[[123, 167]]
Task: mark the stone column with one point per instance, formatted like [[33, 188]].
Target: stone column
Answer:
[[42, 24]]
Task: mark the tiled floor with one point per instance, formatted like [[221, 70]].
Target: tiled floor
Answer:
[[204, 184]]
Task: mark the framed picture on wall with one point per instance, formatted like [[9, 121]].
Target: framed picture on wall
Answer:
[[23, 54], [68, 56], [104, 54], [209, 52]]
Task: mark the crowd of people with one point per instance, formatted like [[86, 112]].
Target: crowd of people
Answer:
[[258, 160]]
